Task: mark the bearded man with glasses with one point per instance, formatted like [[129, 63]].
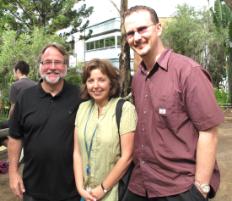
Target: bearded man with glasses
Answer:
[[43, 123], [176, 134]]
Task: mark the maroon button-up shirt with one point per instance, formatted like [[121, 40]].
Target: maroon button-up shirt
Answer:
[[173, 102]]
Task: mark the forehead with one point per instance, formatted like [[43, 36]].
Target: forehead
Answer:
[[52, 53], [97, 72], [137, 19]]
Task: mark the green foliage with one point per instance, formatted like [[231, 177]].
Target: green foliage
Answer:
[[73, 76], [217, 57], [3, 116], [23, 15], [193, 34], [185, 33], [27, 25], [230, 31], [229, 67], [222, 16], [221, 96], [25, 47], [4, 109]]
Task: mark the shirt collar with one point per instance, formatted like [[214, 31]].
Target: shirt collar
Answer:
[[162, 62], [43, 93]]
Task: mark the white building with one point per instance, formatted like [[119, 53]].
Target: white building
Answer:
[[104, 43], [105, 40]]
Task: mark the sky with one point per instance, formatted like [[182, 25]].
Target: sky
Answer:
[[104, 9]]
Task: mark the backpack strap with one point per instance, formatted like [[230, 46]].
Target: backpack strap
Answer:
[[118, 112]]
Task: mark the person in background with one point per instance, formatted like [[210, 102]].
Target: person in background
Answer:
[[43, 123], [101, 157], [21, 70], [176, 134]]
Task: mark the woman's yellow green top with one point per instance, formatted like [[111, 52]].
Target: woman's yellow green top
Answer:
[[99, 140]]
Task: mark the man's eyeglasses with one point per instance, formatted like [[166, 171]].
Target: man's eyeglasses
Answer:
[[49, 63], [140, 30]]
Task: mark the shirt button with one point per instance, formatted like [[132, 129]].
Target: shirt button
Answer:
[[143, 129], [143, 162], [145, 112], [146, 96], [142, 146]]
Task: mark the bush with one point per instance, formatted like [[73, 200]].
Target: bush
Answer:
[[221, 96], [73, 76]]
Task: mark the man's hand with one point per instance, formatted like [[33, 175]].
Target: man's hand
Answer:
[[16, 184]]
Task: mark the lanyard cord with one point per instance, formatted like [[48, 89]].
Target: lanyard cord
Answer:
[[89, 148]]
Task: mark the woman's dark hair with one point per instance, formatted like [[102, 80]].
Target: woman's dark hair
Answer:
[[107, 69]]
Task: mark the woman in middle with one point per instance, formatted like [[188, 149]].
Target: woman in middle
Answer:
[[100, 157]]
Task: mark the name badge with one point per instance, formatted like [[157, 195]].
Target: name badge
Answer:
[[162, 111]]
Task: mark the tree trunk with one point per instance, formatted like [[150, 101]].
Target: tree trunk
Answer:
[[124, 58], [228, 3], [230, 78], [230, 64]]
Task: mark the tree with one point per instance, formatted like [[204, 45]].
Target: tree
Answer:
[[26, 47], [230, 64], [229, 3], [185, 34], [124, 58], [53, 15], [193, 34], [222, 16]]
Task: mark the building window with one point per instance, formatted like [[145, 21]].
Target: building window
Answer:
[[99, 44], [103, 43], [110, 42], [118, 40], [90, 46]]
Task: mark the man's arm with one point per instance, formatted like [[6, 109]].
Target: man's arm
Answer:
[[206, 155], [15, 179], [11, 111]]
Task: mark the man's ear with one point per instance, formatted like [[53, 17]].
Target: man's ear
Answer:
[[159, 29], [18, 72]]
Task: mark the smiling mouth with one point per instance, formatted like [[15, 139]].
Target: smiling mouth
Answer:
[[97, 93], [139, 47], [55, 73]]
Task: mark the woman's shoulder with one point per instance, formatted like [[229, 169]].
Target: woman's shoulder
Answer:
[[127, 105], [85, 104]]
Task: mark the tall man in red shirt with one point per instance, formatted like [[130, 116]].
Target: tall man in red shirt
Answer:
[[176, 135]]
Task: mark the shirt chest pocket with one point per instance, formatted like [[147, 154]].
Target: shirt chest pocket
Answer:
[[169, 111]]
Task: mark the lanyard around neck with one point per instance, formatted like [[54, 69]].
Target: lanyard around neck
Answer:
[[89, 148]]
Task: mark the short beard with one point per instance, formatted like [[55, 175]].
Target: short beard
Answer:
[[57, 80], [46, 78]]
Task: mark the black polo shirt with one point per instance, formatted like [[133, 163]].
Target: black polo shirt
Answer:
[[46, 125]]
